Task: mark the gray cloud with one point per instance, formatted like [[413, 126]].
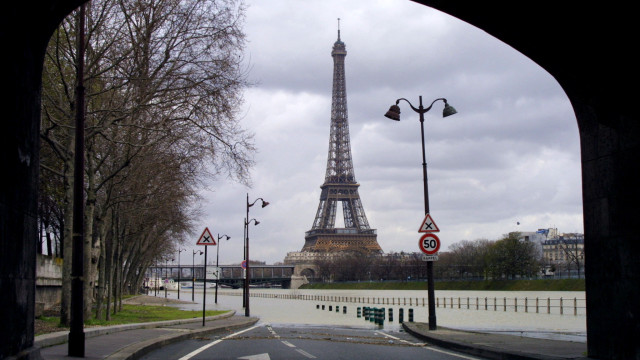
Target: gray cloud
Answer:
[[510, 154]]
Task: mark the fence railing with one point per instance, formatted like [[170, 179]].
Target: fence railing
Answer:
[[548, 305]]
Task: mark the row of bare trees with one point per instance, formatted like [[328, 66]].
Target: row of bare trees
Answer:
[[164, 82], [510, 257]]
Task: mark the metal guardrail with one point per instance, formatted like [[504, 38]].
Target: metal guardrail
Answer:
[[559, 306]]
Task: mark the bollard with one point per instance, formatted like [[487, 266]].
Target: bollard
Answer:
[[410, 315], [400, 315], [359, 312]]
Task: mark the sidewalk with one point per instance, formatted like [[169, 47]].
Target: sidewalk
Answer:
[[134, 340], [497, 346]]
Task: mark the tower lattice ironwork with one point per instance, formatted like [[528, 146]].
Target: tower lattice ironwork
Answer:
[[340, 183]]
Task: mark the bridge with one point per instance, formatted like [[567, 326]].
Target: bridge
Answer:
[[231, 275]]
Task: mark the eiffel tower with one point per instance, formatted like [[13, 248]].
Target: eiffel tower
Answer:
[[339, 182]]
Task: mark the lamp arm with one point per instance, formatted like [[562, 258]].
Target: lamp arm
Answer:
[[408, 102], [423, 110], [434, 101], [253, 203]]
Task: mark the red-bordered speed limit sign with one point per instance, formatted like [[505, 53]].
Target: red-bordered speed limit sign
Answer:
[[429, 244]]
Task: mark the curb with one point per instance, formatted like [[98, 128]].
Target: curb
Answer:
[[477, 349], [61, 337]]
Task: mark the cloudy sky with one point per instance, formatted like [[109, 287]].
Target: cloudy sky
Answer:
[[510, 155]]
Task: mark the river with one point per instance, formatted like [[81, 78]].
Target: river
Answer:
[[485, 311]]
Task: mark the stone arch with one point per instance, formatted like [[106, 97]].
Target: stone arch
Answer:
[[306, 269], [309, 273]]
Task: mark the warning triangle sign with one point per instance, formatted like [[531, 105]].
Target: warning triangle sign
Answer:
[[206, 238], [428, 225]]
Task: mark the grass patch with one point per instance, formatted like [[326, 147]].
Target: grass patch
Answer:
[[495, 285], [132, 314]]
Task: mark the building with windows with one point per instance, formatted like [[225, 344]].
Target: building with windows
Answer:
[[564, 253]]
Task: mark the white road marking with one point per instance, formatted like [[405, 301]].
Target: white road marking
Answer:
[[273, 332], [305, 353], [205, 347], [263, 356], [466, 357], [398, 339]]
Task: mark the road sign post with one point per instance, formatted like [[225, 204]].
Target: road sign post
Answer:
[[429, 244], [207, 240]]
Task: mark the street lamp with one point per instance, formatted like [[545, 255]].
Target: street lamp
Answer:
[[155, 279], [193, 273], [166, 275], [179, 270], [246, 252], [394, 114], [217, 258]]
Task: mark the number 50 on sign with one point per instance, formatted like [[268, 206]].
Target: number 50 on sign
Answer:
[[429, 244]]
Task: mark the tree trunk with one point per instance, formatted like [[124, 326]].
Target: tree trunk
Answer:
[[101, 267], [90, 253], [65, 300]]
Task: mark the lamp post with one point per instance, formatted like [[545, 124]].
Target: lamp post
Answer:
[[166, 275], [394, 114], [218, 258], [155, 280], [246, 232], [179, 270], [193, 273]]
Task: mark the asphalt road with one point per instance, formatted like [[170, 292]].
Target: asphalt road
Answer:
[[265, 341]]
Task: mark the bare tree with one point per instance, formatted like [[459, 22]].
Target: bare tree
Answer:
[[572, 247], [165, 75]]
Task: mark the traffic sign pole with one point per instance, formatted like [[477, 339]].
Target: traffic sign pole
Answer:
[[204, 285]]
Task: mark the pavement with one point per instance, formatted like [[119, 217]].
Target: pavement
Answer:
[[498, 346], [133, 341]]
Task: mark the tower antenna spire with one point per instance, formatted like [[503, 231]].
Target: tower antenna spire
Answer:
[[338, 29]]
